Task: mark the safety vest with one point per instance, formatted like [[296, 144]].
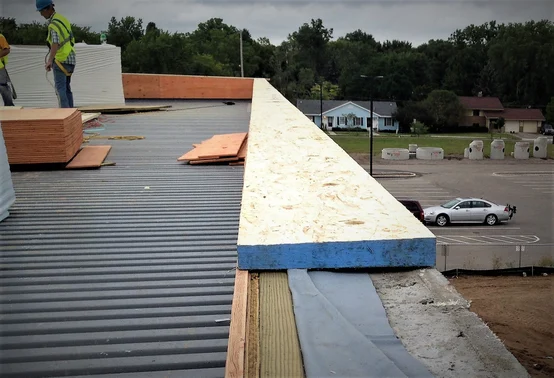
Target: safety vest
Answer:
[[3, 60], [62, 26]]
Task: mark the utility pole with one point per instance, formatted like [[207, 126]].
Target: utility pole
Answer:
[[370, 123], [241, 57]]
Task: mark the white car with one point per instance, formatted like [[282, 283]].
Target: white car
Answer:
[[468, 210]]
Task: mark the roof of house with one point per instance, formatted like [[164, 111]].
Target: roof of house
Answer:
[[313, 107], [130, 268], [516, 114], [481, 103]]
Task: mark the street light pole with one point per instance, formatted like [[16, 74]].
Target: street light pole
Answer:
[[320, 105], [370, 123], [371, 136]]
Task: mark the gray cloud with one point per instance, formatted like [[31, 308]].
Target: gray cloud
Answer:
[[416, 21]]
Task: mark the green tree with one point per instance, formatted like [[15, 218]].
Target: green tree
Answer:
[[521, 57], [408, 111], [8, 27], [330, 91], [469, 57], [311, 41], [121, 33], [437, 52], [550, 111], [84, 34], [444, 108], [159, 52]]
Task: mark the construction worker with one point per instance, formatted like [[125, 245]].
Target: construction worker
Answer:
[[5, 90], [61, 59]]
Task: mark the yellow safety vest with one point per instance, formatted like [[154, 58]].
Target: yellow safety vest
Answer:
[[62, 26], [3, 60]]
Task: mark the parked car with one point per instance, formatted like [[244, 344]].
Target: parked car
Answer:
[[468, 210], [415, 208], [547, 129]]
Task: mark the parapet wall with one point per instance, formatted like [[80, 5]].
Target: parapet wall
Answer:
[[147, 86], [307, 204]]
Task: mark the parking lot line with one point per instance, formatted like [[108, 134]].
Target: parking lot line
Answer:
[[540, 181], [528, 236], [419, 191], [486, 240], [475, 239], [518, 173], [455, 240], [473, 228], [493, 238]]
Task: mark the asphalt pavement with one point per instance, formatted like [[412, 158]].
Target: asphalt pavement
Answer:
[[527, 239]]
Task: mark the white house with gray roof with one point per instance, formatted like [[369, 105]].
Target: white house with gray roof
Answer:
[[350, 114]]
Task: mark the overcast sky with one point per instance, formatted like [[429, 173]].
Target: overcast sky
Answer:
[[415, 21]]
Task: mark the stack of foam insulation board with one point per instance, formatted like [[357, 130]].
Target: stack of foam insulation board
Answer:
[[36, 136], [7, 194], [97, 78]]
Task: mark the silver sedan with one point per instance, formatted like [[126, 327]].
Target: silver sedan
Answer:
[[468, 210]]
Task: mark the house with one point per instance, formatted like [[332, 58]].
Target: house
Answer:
[[485, 111], [475, 108], [517, 120], [350, 114]]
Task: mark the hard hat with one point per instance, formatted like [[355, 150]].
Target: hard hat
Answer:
[[41, 4]]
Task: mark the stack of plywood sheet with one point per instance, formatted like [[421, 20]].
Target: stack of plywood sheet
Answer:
[[36, 136], [223, 148]]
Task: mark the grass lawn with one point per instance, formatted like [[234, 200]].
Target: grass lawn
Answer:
[[454, 146], [482, 136]]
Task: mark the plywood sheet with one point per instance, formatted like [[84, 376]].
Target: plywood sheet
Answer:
[[218, 147], [216, 160], [39, 115], [224, 145], [90, 157], [151, 86], [139, 86]]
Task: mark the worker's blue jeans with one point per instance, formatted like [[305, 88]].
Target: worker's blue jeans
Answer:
[[63, 85]]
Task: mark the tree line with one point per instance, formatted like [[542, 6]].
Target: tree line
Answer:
[[511, 61]]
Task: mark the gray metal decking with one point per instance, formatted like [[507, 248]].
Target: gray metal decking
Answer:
[[125, 271]]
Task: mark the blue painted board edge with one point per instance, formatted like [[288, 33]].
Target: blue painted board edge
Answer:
[[418, 252]]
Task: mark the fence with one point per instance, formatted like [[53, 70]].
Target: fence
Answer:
[[493, 256]]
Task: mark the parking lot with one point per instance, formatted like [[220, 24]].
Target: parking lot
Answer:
[[527, 238]]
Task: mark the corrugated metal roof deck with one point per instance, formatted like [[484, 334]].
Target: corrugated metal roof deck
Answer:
[[126, 270]]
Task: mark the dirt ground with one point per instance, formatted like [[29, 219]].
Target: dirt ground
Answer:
[[520, 311]]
